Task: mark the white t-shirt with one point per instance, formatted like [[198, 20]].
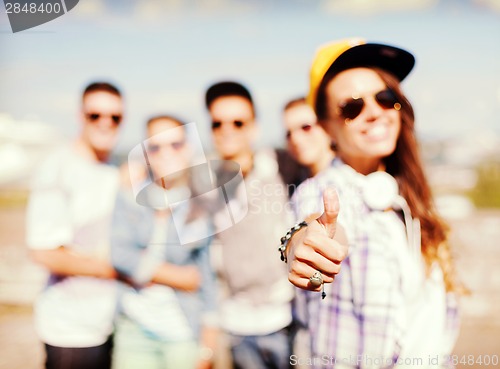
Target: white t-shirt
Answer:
[[71, 205]]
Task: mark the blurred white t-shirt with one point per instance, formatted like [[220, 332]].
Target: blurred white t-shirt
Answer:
[[71, 205]]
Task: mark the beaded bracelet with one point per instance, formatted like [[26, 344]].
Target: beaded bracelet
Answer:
[[286, 238]]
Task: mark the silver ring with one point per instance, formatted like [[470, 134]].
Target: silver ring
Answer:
[[316, 279]]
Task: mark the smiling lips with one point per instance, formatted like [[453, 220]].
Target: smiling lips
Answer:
[[377, 133]]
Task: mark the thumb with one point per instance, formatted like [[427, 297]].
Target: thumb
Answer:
[[329, 217]]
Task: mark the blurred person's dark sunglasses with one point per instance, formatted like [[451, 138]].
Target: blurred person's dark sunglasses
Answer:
[[95, 117], [351, 108], [306, 127], [176, 146], [236, 124]]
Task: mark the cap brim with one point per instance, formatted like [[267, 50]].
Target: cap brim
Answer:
[[392, 59]]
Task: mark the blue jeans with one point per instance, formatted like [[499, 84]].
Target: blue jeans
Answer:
[[271, 351]]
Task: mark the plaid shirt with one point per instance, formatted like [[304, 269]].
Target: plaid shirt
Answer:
[[381, 311]]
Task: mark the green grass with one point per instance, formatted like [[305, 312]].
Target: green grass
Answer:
[[13, 198], [7, 311], [486, 193]]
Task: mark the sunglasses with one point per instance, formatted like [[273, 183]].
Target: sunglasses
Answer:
[[236, 124], [94, 117], [350, 109], [176, 146], [304, 128]]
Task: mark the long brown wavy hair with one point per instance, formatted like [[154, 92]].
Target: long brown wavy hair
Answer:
[[405, 165]]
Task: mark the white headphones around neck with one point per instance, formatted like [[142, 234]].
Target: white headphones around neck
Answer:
[[381, 192]]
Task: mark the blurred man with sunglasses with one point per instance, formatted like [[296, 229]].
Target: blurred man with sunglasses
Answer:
[[307, 141], [256, 307], [68, 219]]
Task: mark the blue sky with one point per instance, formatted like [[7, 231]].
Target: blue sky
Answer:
[[164, 54]]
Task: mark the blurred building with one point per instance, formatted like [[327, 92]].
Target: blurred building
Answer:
[[23, 143], [452, 168]]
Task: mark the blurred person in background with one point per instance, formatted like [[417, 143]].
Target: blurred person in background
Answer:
[[309, 144], [307, 141], [256, 304], [169, 319], [395, 298], [68, 222]]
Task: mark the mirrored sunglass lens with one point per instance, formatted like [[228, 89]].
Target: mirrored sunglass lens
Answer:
[[93, 116], [153, 148], [306, 127], [117, 119], [386, 99], [352, 108], [177, 145]]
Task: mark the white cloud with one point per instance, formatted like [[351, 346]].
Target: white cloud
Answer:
[[370, 7], [156, 13], [156, 9], [492, 4], [90, 8]]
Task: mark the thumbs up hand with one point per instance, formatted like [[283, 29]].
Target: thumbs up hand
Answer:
[[329, 217], [319, 247]]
